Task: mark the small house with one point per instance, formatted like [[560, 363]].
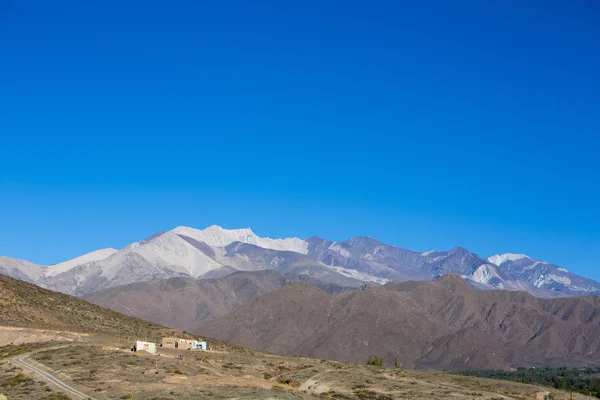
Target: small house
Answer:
[[199, 345], [183, 344], [170, 342], [146, 346], [177, 343], [173, 343]]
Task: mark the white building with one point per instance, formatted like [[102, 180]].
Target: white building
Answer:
[[146, 346]]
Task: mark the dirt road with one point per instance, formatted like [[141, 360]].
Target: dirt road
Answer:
[[23, 362]]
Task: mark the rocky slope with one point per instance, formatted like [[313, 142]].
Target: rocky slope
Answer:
[[442, 324], [27, 305], [544, 276], [185, 303]]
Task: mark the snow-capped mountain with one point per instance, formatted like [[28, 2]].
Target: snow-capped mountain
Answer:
[[21, 269], [97, 255], [543, 275], [183, 251], [215, 252], [373, 258], [216, 236]]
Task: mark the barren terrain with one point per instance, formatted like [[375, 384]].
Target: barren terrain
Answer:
[[105, 369]]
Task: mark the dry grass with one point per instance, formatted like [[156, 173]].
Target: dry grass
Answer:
[[15, 384], [235, 372], [26, 305], [15, 350]]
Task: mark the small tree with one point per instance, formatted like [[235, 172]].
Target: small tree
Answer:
[[375, 360], [396, 363]]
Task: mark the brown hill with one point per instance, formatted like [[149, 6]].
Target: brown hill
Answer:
[[27, 305], [443, 324], [185, 303]]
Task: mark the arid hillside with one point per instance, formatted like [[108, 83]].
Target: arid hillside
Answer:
[[185, 303], [100, 365], [111, 372], [26, 305], [443, 324]]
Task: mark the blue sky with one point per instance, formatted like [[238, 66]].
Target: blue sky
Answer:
[[423, 124]]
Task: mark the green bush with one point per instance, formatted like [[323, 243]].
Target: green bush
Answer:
[[377, 361]]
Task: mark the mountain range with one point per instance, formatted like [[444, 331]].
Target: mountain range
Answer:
[[83, 348], [215, 252], [343, 300], [186, 303], [440, 324]]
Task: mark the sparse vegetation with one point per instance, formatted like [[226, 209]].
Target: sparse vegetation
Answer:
[[15, 380], [267, 375], [26, 305], [289, 381], [581, 380], [375, 360], [57, 396], [222, 375], [15, 350]]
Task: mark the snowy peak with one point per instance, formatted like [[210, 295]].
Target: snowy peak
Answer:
[[499, 259], [168, 250], [20, 269], [97, 255], [186, 251], [217, 236]]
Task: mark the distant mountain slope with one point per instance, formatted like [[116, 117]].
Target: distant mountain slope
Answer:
[[24, 304], [21, 269], [214, 252], [215, 236], [186, 303], [97, 255], [442, 324], [545, 276], [373, 258]]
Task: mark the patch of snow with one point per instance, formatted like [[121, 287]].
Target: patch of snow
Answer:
[[425, 254], [11, 265], [218, 237], [560, 279], [484, 274], [340, 250], [541, 281], [562, 270], [170, 250], [361, 276], [162, 253], [498, 259], [545, 279], [97, 255]]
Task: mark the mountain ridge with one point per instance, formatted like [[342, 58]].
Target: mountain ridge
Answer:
[[439, 324], [215, 251]]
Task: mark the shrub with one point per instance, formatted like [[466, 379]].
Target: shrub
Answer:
[[377, 361], [15, 380], [289, 381]]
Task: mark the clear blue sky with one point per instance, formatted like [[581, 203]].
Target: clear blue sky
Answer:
[[423, 124]]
